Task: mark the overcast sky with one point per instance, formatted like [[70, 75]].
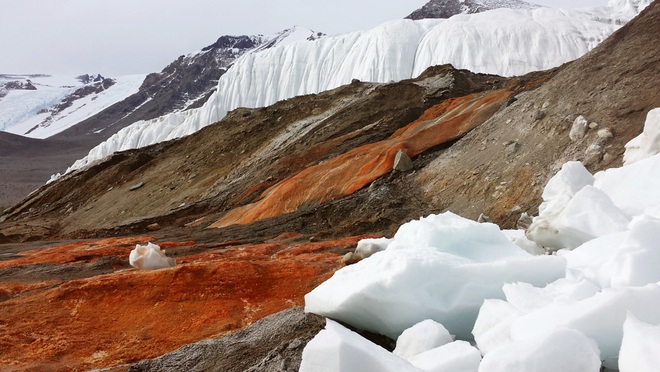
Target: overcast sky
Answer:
[[115, 37]]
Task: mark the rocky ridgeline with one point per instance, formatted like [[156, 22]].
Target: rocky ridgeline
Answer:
[[448, 8]]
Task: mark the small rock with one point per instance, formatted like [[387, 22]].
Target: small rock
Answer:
[[515, 209], [153, 227], [350, 258], [512, 148], [538, 115], [313, 239], [484, 219], [593, 153], [605, 133], [136, 186], [593, 125], [402, 162], [607, 157], [579, 128]]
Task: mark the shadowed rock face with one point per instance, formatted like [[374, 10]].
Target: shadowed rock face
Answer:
[[272, 344], [289, 188]]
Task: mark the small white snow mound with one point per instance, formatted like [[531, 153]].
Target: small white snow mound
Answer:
[[441, 267], [457, 356], [149, 257], [423, 336], [560, 349], [647, 143], [640, 346], [338, 349], [367, 247]]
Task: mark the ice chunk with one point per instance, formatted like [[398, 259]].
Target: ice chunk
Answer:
[[457, 356], [338, 349], [572, 177], [367, 247], [640, 346], [579, 128], [421, 337], [633, 188], [565, 350], [441, 267], [647, 143], [588, 214], [492, 328], [149, 257], [519, 238], [599, 317], [630, 258]]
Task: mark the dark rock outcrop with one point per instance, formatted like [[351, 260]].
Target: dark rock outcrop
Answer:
[[272, 344], [448, 8]]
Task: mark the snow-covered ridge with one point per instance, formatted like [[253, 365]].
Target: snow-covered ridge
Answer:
[[501, 41], [53, 105]]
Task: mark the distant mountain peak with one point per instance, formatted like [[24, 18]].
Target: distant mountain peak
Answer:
[[448, 8]]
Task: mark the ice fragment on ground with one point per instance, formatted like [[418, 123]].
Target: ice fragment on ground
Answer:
[[647, 143], [561, 349], [640, 346], [421, 337], [441, 267], [149, 257], [338, 349], [457, 356]]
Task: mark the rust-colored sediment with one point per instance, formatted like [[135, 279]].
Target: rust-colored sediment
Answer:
[[130, 315], [353, 170]]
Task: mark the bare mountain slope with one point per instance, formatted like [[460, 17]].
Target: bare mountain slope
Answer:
[[348, 137]]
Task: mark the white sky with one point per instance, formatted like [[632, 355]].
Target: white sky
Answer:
[[116, 37]]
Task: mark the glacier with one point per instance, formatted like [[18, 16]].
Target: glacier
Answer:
[[501, 41]]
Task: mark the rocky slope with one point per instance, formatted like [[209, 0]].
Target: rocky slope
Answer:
[[185, 83], [278, 194]]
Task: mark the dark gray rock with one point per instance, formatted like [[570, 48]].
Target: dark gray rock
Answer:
[[272, 344]]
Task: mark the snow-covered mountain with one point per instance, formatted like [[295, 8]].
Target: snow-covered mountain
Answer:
[[448, 8], [500, 41], [186, 83], [40, 106]]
